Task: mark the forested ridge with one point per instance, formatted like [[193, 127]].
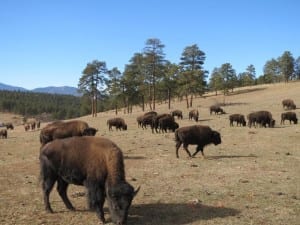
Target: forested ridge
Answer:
[[33, 104]]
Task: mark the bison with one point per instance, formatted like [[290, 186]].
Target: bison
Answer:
[[288, 104], [155, 119], [196, 135], [238, 118], [117, 122], [194, 114], [262, 118], [167, 123], [291, 116], [94, 162], [9, 126], [60, 129], [177, 113], [3, 133], [216, 109]]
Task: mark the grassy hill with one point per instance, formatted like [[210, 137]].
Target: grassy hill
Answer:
[[251, 178]]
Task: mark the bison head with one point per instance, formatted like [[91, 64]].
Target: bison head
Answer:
[[119, 198], [216, 137], [90, 131]]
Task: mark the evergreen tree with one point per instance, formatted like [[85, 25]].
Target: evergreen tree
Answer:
[[193, 75], [93, 77]]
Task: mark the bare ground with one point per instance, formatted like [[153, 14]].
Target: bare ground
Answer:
[[251, 178]]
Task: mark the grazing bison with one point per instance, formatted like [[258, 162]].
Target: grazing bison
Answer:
[[291, 116], [117, 122], [194, 114], [95, 162], [262, 118], [216, 109], [155, 119], [288, 104], [9, 126], [167, 123], [145, 119], [90, 131], [238, 118], [196, 135], [3, 133], [177, 113], [60, 129]]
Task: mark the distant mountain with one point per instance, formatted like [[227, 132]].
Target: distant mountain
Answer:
[[65, 90], [11, 88]]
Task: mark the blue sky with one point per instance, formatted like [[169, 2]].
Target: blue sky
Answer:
[[49, 42]]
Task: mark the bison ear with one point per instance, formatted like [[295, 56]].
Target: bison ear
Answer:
[[136, 191]]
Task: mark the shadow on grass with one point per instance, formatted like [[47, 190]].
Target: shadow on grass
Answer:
[[237, 92], [165, 214], [230, 156], [204, 120], [134, 157]]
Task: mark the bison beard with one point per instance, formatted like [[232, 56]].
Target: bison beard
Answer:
[[95, 162]]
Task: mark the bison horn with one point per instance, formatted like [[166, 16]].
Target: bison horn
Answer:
[[136, 191]]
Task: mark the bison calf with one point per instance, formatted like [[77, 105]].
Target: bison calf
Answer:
[[194, 114], [196, 135], [95, 162]]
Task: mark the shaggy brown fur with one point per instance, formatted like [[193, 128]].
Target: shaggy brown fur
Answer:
[[291, 116], [95, 162], [288, 104], [117, 122], [216, 109], [262, 118], [196, 135], [167, 123], [194, 114], [3, 133], [60, 129], [238, 118], [177, 113]]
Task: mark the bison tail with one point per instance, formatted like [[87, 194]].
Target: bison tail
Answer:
[[176, 136]]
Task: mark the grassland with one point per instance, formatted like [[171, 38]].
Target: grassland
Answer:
[[251, 178]]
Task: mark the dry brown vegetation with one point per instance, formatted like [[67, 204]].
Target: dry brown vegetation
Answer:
[[251, 178]]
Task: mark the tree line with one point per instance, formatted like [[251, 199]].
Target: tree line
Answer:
[[150, 77], [52, 106]]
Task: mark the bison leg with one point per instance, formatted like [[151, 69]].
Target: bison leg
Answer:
[[178, 144], [185, 146], [199, 149], [96, 197], [62, 190], [47, 185]]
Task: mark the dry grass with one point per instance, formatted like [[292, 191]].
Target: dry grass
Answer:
[[251, 178]]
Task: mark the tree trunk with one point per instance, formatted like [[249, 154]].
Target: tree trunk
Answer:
[[191, 101], [187, 100], [169, 98]]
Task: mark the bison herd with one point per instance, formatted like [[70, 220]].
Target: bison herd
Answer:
[[70, 154]]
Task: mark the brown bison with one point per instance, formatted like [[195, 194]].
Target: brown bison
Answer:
[[94, 162], [60, 129], [288, 104], [291, 116], [167, 123], [262, 118], [196, 135], [146, 119], [238, 118], [155, 121], [3, 133], [177, 113], [194, 114], [216, 109], [9, 126], [117, 122]]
